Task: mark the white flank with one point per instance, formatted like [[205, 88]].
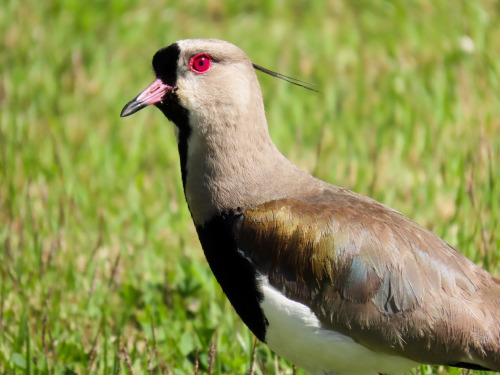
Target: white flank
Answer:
[[295, 333]]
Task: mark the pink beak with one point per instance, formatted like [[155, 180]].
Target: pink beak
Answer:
[[154, 93]]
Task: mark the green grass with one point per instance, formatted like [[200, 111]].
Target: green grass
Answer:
[[96, 243]]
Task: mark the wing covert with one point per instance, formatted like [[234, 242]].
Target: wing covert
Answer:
[[374, 275]]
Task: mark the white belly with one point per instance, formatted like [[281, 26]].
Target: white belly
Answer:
[[295, 333]]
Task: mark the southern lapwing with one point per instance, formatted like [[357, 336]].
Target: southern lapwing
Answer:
[[331, 280]]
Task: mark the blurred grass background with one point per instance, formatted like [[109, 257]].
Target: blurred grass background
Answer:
[[98, 255]]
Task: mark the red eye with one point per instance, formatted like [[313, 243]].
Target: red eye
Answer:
[[200, 63]]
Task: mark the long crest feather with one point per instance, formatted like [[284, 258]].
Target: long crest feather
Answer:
[[293, 81]]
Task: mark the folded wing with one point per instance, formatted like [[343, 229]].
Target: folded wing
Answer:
[[374, 275]]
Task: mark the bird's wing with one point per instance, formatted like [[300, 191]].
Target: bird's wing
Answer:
[[374, 275]]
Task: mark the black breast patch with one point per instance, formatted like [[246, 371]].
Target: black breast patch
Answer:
[[234, 272]]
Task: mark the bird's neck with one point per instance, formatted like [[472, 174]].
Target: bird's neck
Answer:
[[232, 171]]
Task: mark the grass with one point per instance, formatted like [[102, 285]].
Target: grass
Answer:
[[100, 268]]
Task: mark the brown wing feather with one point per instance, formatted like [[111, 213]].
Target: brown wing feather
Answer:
[[372, 274]]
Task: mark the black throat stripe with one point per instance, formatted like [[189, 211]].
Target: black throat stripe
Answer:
[[172, 109], [165, 63]]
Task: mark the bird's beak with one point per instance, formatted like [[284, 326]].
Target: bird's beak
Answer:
[[154, 93]]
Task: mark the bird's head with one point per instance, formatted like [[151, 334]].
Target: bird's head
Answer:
[[199, 81]]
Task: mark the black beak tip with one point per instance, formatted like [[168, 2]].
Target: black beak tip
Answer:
[[124, 112], [132, 107]]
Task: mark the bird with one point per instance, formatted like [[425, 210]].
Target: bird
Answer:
[[331, 280]]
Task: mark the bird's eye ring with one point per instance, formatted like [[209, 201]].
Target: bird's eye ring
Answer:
[[200, 63]]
